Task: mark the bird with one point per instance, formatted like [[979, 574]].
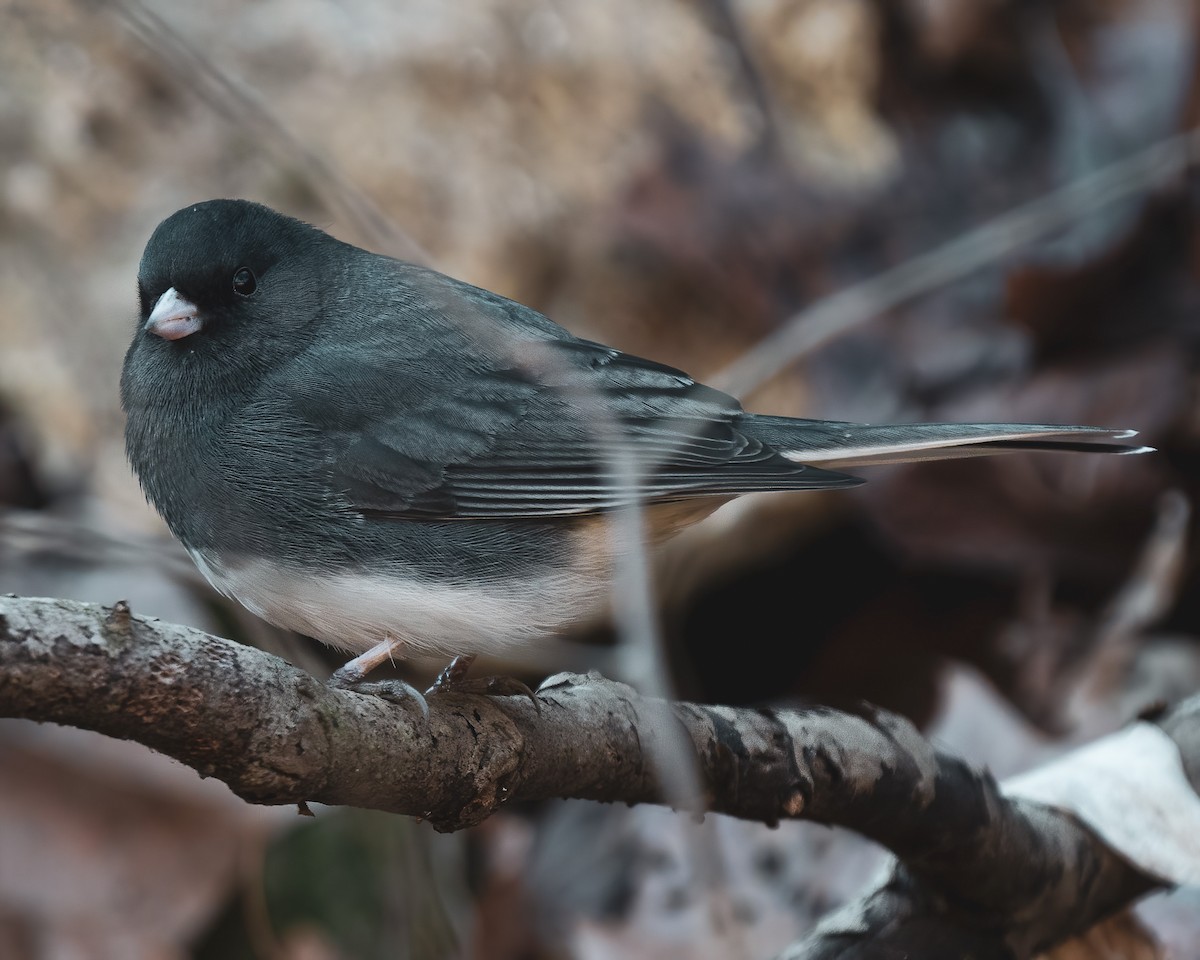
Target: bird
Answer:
[[400, 464]]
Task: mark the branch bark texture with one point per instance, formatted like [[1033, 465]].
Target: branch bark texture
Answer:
[[971, 861]]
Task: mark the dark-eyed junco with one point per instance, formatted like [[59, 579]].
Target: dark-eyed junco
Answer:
[[389, 460]]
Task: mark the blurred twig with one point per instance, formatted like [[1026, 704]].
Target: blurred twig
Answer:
[[725, 22], [1149, 593], [241, 107], [986, 244], [1154, 583]]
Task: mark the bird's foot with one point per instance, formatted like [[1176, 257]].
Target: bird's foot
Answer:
[[352, 676], [393, 691], [454, 679]]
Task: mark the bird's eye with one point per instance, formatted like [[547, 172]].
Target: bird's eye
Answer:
[[244, 283]]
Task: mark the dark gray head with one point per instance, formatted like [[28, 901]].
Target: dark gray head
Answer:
[[227, 289]]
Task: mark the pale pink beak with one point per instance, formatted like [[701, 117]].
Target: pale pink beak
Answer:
[[173, 317]]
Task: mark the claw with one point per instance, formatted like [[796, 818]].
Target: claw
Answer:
[[393, 691], [400, 693]]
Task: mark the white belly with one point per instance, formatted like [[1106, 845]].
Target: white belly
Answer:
[[354, 611]]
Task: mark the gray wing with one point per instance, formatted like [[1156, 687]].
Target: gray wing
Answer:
[[444, 400], [510, 441]]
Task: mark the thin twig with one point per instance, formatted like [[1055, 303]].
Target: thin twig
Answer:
[[835, 315], [238, 105]]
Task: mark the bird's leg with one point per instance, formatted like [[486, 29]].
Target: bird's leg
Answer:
[[352, 674], [454, 675], [453, 679], [355, 671]]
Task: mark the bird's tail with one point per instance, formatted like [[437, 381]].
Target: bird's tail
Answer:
[[833, 444]]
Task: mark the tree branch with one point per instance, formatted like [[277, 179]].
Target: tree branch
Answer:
[[972, 862]]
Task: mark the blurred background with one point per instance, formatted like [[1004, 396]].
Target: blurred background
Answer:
[[684, 180]]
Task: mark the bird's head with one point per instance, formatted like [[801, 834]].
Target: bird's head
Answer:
[[227, 289]]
